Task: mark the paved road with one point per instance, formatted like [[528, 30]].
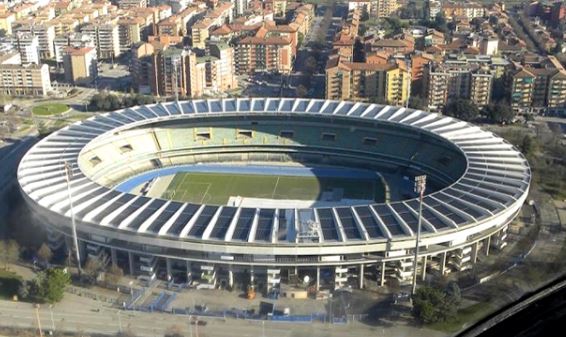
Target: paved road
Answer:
[[146, 324]]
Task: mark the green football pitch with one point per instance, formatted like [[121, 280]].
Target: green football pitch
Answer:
[[217, 188]]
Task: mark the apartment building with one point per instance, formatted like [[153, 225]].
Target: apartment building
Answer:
[[80, 65], [200, 32], [7, 19], [445, 82], [212, 73], [127, 4], [129, 32], [106, 37], [538, 90], [77, 40], [264, 52], [385, 8], [172, 72], [24, 79], [28, 46], [467, 9], [363, 81], [142, 67], [45, 33]]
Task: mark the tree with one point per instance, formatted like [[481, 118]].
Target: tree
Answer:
[[52, 284], [301, 91], [24, 290], [44, 254], [9, 252], [499, 113], [529, 145], [300, 39], [462, 109], [92, 268], [432, 305], [114, 274], [417, 102], [310, 65]]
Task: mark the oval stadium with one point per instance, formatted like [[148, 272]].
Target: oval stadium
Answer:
[[272, 190]]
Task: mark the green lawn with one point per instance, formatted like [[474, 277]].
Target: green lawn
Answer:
[[50, 109], [217, 188], [9, 284], [465, 316]]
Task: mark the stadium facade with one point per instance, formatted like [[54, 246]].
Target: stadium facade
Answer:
[[477, 185]]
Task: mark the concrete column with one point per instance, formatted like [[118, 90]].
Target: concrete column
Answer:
[[488, 243], [361, 280], [251, 276], [189, 270], [131, 262], [168, 266], [475, 249], [114, 256], [424, 268], [382, 282], [230, 277], [443, 264], [317, 278]]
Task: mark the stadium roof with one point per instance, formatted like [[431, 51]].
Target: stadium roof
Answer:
[[497, 175]]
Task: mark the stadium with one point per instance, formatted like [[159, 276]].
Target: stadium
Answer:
[[275, 191]]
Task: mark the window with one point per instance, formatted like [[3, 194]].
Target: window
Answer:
[[369, 141], [245, 134], [287, 134], [126, 148], [95, 160], [202, 134], [328, 136]]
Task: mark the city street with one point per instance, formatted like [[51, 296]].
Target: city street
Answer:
[[82, 317]]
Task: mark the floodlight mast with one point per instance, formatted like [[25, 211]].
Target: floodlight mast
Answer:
[[420, 186], [68, 176]]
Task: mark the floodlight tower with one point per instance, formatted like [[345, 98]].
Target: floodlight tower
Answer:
[[69, 175], [420, 186]]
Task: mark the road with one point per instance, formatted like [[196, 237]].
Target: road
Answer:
[[155, 324]]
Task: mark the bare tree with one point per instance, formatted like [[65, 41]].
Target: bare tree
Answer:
[[44, 253], [9, 252], [114, 274], [92, 268]]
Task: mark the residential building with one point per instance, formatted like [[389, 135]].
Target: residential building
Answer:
[[106, 38], [522, 87], [467, 9], [172, 73], [129, 32], [127, 4], [213, 73], [142, 67], [362, 81], [385, 8], [80, 65], [7, 19], [200, 32], [489, 45], [28, 46], [24, 79], [77, 40], [45, 33], [264, 52], [448, 81]]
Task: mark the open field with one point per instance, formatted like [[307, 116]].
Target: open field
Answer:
[[217, 188], [49, 109]]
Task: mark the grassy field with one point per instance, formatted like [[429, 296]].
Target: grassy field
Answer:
[[49, 109], [9, 283], [465, 316], [216, 188]]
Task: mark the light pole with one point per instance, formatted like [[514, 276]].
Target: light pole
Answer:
[[36, 306], [420, 186], [52, 320], [69, 174], [119, 322]]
